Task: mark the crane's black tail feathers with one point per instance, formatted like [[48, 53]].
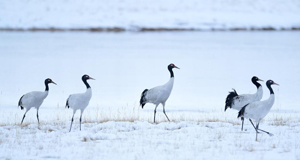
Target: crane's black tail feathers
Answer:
[[143, 100], [242, 111], [229, 99], [20, 103], [67, 103]]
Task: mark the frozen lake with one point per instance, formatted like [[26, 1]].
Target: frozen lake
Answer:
[[124, 64]]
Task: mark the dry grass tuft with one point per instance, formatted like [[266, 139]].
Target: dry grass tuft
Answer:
[[207, 126], [235, 123], [172, 129], [279, 123], [123, 114], [84, 139], [23, 125], [251, 149], [219, 136]]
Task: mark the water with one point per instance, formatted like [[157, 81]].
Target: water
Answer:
[[124, 64]]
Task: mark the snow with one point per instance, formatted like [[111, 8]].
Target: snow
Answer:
[[143, 140], [124, 64], [148, 14]]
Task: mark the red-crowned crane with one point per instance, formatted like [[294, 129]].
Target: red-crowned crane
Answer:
[[34, 99], [80, 100], [258, 110], [235, 101], [160, 94]]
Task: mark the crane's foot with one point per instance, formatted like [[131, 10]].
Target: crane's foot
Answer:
[[270, 134]]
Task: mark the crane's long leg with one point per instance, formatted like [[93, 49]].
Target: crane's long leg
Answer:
[[37, 116], [165, 112], [270, 134], [155, 112], [253, 126], [24, 117], [72, 121], [80, 119], [242, 123], [256, 130], [266, 132]]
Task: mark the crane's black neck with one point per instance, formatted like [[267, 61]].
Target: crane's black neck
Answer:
[[86, 84], [270, 88], [171, 71], [47, 87], [256, 84]]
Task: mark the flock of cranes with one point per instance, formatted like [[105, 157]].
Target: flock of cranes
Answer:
[[249, 106]]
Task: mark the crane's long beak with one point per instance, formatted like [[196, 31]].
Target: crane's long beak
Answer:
[[92, 78], [260, 79], [276, 84], [53, 83], [176, 67]]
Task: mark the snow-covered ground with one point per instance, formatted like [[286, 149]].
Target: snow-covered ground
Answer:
[[210, 138], [124, 64], [148, 14]]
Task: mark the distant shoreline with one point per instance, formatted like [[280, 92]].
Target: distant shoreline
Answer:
[[119, 29]]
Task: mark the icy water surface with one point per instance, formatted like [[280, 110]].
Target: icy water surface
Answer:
[[124, 64]]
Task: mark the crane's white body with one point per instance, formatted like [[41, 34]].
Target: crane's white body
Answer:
[[258, 110], [80, 100], [33, 99], [241, 100], [160, 94]]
